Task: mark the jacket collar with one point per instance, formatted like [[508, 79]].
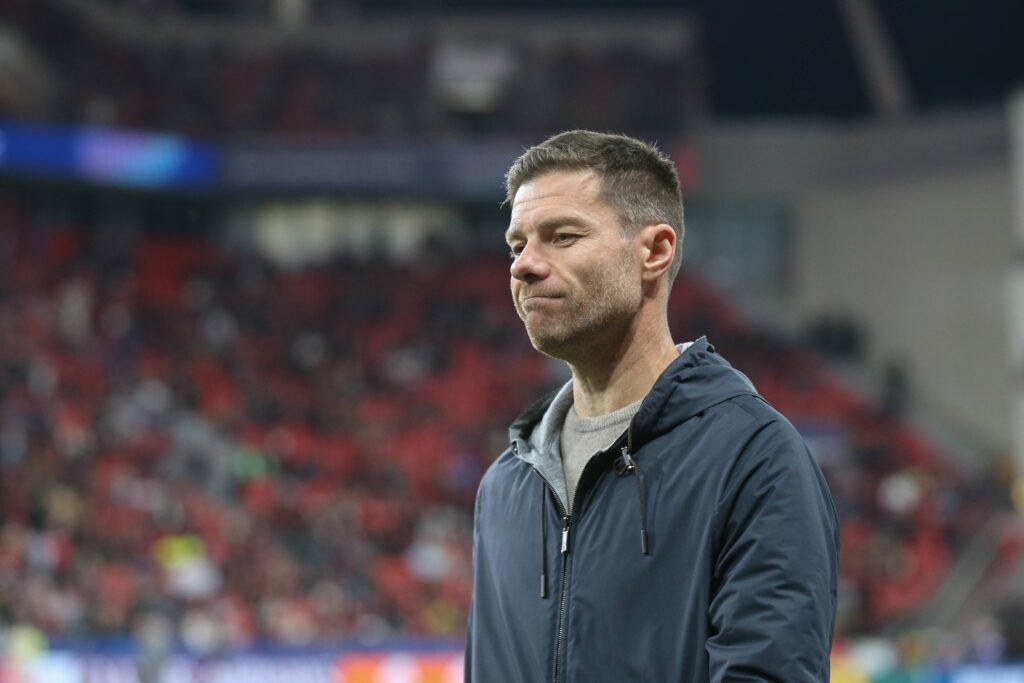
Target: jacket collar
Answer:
[[695, 381]]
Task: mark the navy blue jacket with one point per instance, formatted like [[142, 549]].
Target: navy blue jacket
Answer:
[[702, 545]]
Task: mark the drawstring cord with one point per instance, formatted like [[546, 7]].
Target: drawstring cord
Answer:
[[543, 540], [630, 467]]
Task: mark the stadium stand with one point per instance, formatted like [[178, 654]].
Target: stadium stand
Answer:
[[393, 93], [256, 454]]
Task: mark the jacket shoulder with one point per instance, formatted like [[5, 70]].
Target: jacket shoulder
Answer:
[[756, 414], [500, 472]]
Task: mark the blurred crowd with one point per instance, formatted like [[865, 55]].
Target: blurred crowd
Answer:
[[430, 89], [254, 454], [200, 447]]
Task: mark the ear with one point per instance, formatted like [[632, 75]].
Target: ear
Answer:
[[659, 248]]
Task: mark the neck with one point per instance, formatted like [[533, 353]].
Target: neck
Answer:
[[622, 373]]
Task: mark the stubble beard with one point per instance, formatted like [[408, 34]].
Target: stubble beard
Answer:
[[595, 318]]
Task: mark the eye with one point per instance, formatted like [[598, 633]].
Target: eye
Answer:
[[514, 251], [563, 238]]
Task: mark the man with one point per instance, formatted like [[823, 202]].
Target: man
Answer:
[[655, 519]]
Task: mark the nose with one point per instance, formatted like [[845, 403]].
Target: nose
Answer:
[[529, 265]]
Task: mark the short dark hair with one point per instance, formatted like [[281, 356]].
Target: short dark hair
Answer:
[[637, 180]]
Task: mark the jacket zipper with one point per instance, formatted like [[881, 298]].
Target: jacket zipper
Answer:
[[566, 521], [565, 549], [564, 601], [564, 605]]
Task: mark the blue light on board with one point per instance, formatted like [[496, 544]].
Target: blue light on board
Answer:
[[109, 156]]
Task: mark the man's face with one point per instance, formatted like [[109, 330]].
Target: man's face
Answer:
[[575, 276]]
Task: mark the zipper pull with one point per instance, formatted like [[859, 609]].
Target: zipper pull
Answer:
[[627, 459], [565, 535]]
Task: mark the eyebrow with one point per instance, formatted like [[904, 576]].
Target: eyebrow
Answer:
[[546, 225]]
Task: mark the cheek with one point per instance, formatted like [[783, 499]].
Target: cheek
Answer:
[[611, 279], [595, 277], [513, 287]]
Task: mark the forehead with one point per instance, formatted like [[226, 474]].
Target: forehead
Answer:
[[558, 183], [574, 193]]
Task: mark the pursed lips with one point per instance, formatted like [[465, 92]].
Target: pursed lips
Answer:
[[532, 297]]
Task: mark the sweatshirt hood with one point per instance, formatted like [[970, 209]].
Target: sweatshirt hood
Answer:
[[695, 381]]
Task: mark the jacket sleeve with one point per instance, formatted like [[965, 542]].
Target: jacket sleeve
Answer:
[[773, 599], [468, 664], [467, 676]]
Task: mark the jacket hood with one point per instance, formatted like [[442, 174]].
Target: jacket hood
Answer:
[[695, 381]]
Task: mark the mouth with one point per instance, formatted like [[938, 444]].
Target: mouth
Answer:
[[534, 305], [536, 299]]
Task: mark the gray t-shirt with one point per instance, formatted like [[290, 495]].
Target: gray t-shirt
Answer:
[[582, 437]]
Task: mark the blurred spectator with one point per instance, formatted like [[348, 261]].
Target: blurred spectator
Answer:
[[837, 337], [1011, 620]]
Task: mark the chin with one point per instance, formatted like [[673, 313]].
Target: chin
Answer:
[[554, 346]]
